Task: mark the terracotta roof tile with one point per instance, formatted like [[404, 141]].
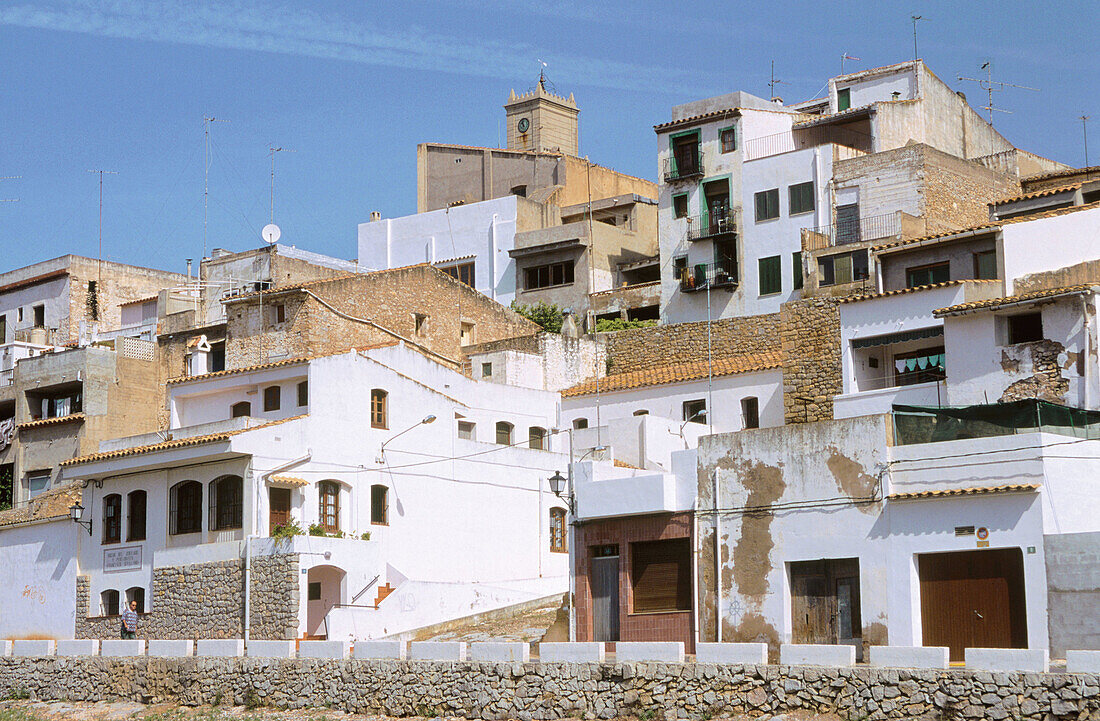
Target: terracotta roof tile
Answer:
[[276, 364], [731, 112], [288, 481], [915, 289], [71, 418], [52, 504], [678, 373], [1060, 173], [1039, 193], [975, 491], [991, 303]]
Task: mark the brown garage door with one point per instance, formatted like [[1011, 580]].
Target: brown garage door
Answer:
[[973, 599]]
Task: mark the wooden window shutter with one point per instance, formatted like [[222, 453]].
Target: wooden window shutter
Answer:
[[173, 511], [661, 573]]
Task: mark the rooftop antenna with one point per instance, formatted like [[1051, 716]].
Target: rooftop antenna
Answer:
[[773, 82], [206, 177], [17, 177], [990, 85], [273, 151], [1085, 137], [542, 73], [916, 19], [101, 173], [846, 56]]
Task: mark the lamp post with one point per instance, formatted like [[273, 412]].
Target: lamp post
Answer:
[[430, 418], [75, 512]]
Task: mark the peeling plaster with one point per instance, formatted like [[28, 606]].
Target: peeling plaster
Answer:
[[1046, 382], [852, 480], [752, 554], [753, 629]]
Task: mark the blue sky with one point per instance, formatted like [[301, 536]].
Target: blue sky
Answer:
[[352, 87]]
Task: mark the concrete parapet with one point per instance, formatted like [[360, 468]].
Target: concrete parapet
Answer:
[[78, 647], [25, 647], [1036, 660], [219, 647], [663, 651], [171, 648], [1083, 661], [816, 654], [5, 648], [563, 652], [122, 647], [324, 649], [500, 651], [379, 649], [271, 649], [909, 656], [437, 651], [733, 653]]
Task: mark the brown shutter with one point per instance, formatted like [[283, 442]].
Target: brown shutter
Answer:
[[662, 575]]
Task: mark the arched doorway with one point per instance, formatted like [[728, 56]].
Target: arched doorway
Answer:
[[325, 587]]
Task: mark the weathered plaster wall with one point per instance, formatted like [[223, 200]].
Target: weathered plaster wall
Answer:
[[36, 580], [1073, 590]]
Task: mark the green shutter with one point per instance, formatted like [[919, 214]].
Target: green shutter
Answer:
[[796, 271], [771, 279]]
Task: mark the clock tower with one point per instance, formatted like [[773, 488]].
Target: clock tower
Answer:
[[542, 121]]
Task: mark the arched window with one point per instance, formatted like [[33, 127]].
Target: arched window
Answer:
[[641, 412], [226, 503], [272, 395], [135, 520], [504, 433], [379, 505], [536, 438], [108, 603], [237, 410], [379, 408], [112, 518], [185, 508], [329, 509], [580, 423], [137, 593], [557, 530]]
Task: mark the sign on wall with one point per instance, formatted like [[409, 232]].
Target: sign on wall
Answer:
[[121, 559]]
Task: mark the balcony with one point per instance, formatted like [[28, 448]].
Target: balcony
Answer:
[[853, 230], [702, 276], [684, 166], [800, 138], [712, 225]]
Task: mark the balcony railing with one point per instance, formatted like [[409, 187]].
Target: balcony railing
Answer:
[[712, 225], [800, 138], [683, 167], [702, 276], [855, 230]]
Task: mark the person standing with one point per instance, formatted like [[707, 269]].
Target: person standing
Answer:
[[130, 621]]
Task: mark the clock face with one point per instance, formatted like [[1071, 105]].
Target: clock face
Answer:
[[523, 125]]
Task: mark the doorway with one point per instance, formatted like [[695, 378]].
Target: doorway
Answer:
[[825, 605], [278, 507], [973, 599], [324, 589], [717, 195], [603, 577]]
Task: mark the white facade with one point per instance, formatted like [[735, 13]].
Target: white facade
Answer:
[[38, 580], [1046, 244]]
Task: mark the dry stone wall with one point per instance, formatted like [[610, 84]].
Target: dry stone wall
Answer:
[[642, 348], [810, 335]]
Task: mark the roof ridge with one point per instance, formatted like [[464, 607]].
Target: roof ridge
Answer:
[[688, 371]]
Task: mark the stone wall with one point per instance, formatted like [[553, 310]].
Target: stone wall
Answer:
[[633, 350], [1080, 274], [550, 691], [810, 339], [206, 600]]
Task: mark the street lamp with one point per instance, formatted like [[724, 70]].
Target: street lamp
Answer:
[[75, 512], [430, 418]]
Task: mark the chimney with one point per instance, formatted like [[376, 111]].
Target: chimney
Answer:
[[375, 215], [188, 269]]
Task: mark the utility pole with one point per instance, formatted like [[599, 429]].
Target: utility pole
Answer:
[[273, 151], [771, 84], [206, 178], [1085, 136], [101, 173], [916, 19]]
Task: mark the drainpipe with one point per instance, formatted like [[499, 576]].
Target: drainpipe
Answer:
[[493, 256], [572, 544], [695, 569], [717, 561], [248, 539], [1087, 349]]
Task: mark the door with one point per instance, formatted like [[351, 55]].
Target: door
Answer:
[[825, 605], [279, 507], [973, 599], [717, 194], [324, 589], [604, 579]]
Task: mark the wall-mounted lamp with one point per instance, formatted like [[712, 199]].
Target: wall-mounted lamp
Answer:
[[75, 512], [430, 418]]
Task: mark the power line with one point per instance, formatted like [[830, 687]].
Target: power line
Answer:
[[206, 120]]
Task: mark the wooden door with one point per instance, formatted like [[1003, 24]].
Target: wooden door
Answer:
[[813, 606], [279, 507], [973, 599], [604, 580]]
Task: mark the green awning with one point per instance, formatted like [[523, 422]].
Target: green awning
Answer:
[[891, 338]]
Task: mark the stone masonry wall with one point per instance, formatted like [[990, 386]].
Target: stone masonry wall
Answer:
[[551, 691], [632, 350], [206, 600], [810, 335]]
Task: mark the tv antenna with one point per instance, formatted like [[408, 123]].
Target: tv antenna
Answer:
[[101, 174], [1085, 137], [916, 19], [773, 82], [846, 56], [990, 85], [206, 178], [273, 151], [17, 177]]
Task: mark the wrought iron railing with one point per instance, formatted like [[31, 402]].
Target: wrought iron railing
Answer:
[[800, 138], [683, 167], [701, 276], [712, 224], [854, 230]]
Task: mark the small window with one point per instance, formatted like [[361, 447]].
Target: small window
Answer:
[[313, 591], [467, 430], [185, 508], [801, 197], [680, 268], [580, 424], [520, 190], [136, 595], [463, 273], [486, 370], [661, 575], [419, 320], [695, 411], [927, 275], [843, 99], [227, 503], [108, 603], [767, 204], [135, 520], [466, 333], [842, 268], [771, 275], [112, 518], [329, 505], [1024, 328], [750, 412], [796, 270], [279, 313], [271, 398], [641, 412], [379, 505], [37, 482], [39, 316], [728, 138], [536, 438], [504, 433], [985, 265], [303, 394], [239, 410], [93, 300], [379, 412], [680, 206], [557, 531], [548, 276]]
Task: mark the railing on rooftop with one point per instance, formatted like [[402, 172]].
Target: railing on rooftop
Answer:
[[855, 230], [712, 224], [684, 167], [800, 138], [702, 276]]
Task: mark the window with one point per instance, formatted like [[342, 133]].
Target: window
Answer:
[[466, 333], [921, 366], [185, 508], [137, 593], [801, 197], [695, 411], [466, 430], [217, 357], [227, 503], [313, 591], [278, 313], [60, 405], [546, 276], [379, 413], [239, 410], [750, 412], [847, 224], [3, 329], [580, 423], [1024, 328], [728, 138], [796, 270], [767, 204], [520, 190], [39, 316], [985, 265], [680, 206], [463, 273], [843, 99], [329, 505], [112, 518], [557, 530], [842, 268], [927, 274], [271, 398], [108, 603], [536, 438], [419, 319], [504, 433], [679, 268], [303, 393], [135, 519], [92, 300], [661, 575], [37, 482], [486, 370], [379, 505], [685, 153], [771, 275], [19, 314]]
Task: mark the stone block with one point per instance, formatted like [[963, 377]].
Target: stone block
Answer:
[[5, 648], [735, 653], [1035, 660], [270, 649], [500, 651], [563, 652], [1078, 661], [437, 651], [663, 651], [78, 647], [122, 647], [324, 649], [379, 649], [909, 656], [24, 647], [815, 654], [219, 647], [171, 648]]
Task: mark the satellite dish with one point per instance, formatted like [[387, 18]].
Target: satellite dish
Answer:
[[271, 233]]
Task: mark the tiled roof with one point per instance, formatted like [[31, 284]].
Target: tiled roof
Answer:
[[731, 112], [52, 504], [678, 373], [1061, 173], [288, 481], [319, 281], [71, 418], [835, 117], [991, 303], [1039, 193], [147, 299], [915, 289], [170, 445], [976, 491], [277, 364], [621, 288], [623, 464]]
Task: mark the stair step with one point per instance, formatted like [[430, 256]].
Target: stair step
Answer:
[[383, 592]]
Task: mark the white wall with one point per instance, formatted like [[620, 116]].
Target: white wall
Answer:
[[207, 401], [53, 294], [1049, 244], [864, 91], [38, 580]]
